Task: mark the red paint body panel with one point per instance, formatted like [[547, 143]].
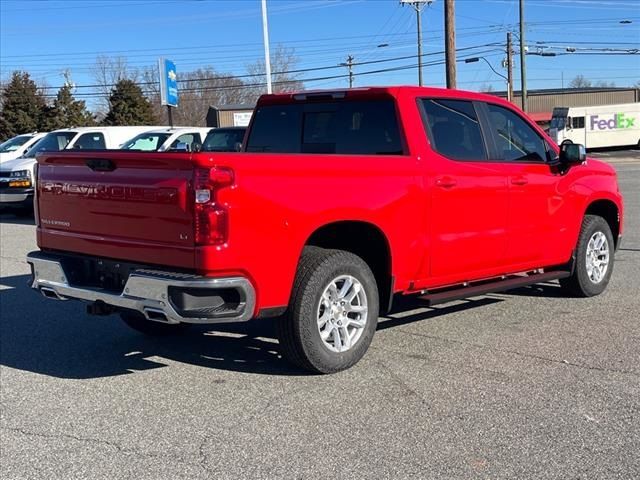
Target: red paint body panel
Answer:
[[445, 221]]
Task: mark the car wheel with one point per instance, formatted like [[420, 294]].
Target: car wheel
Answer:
[[566, 142], [139, 322], [594, 259], [333, 312]]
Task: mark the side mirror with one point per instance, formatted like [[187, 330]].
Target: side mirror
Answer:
[[572, 154]]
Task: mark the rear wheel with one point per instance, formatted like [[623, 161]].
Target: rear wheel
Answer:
[[594, 259], [139, 322], [333, 312]]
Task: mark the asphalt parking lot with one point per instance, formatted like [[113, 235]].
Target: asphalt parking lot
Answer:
[[525, 384]]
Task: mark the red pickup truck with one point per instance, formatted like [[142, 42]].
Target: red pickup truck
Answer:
[[339, 201]]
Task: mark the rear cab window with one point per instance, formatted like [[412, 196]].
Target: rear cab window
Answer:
[[347, 127]]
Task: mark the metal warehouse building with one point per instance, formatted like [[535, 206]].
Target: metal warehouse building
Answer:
[[542, 102]]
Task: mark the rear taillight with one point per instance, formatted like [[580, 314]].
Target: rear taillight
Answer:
[[211, 216]]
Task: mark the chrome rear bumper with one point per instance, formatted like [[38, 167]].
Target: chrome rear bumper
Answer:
[[148, 292]]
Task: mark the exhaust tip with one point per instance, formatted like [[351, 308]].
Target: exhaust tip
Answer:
[[156, 315], [50, 293]]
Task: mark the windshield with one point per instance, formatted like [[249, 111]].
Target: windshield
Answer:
[[52, 142], [14, 143], [558, 122], [222, 140], [147, 142]]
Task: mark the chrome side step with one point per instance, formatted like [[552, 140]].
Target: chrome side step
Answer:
[[508, 283]]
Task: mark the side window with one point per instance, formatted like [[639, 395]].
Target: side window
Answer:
[[516, 140], [91, 141], [578, 122], [188, 138], [453, 129]]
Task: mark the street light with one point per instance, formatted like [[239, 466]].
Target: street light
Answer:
[[477, 59]]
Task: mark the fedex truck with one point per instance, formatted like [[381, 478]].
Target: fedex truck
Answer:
[[597, 127]]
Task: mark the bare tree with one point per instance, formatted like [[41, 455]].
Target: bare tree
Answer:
[[604, 84], [283, 61], [107, 72], [198, 90], [580, 82], [486, 87]]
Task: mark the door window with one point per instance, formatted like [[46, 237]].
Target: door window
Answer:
[[91, 141], [578, 122], [515, 139], [453, 129], [190, 139]]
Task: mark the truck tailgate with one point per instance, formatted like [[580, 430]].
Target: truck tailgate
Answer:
[[124, 205]]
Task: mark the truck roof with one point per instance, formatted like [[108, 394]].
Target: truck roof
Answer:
[[372, 92]]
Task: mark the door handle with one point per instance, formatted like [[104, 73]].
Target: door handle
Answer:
[[519, 180], [446, 182]]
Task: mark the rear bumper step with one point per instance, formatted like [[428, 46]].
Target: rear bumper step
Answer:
[[501, 285], [160, 296]]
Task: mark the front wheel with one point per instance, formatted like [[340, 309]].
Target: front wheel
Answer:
[[333, 312], [594, 259]]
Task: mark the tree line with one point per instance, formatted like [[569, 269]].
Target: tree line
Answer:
[[124, 95]]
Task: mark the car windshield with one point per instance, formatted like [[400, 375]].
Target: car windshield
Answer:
[[147, 142], [14, 143], [558, 122], [52, 142], [221, 140]]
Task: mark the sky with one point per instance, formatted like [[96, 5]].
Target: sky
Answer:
[[47, 37]]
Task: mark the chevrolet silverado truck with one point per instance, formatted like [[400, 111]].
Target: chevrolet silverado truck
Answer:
[[339, 202]]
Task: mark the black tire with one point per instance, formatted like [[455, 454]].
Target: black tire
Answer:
[[298, 332], [139, 322], [579, 283], [567, 142]]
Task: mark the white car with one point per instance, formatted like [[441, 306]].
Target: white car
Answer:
[[17, 179], [17, 146], [167, 139]]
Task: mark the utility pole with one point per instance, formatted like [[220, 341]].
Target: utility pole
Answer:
[[418, 5], [509, 68], [349, 65], [523, 66], [450, 45], [265, 34]]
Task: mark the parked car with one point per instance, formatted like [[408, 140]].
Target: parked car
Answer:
[[19, 145], [17, 176], [167, 139], [340, 201], [225, 139]]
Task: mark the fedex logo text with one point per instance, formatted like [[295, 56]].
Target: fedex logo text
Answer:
[[616, 121]]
